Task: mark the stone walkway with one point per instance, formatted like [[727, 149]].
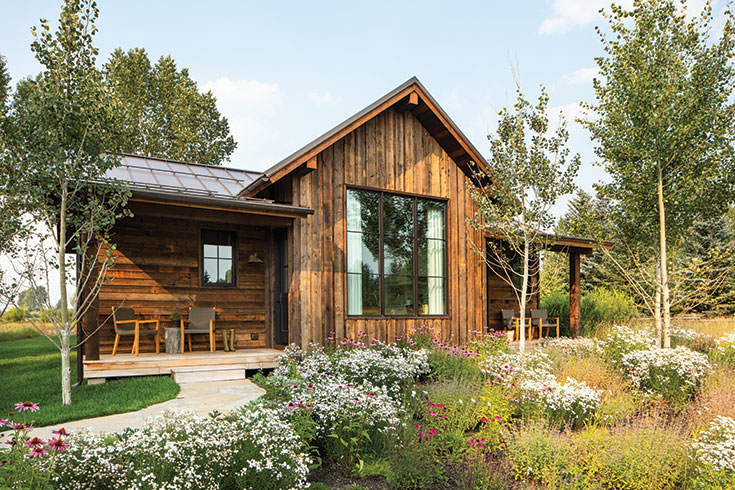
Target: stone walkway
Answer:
[[199, 398]]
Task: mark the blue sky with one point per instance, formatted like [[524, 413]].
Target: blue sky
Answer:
[[285, 72]]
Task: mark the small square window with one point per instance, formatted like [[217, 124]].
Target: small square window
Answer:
[[218, 263]]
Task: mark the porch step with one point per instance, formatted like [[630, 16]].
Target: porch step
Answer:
[[198, 374]]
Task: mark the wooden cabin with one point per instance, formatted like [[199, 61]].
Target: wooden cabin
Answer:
[[363, 231]]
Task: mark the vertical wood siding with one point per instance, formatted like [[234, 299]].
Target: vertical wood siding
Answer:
[[394, 152]]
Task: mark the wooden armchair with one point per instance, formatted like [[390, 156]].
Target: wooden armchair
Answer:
[[201, 322], [125, 323], [540, 320]]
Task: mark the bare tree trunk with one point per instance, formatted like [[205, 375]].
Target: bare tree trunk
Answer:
[[657, 305], [65, 330], [664, 262], [524, 296], [65, 368]]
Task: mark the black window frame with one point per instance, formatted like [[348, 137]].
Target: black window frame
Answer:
[[381, 260], [202, 257]]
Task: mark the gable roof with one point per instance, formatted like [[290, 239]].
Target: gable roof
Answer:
[[411, 95]]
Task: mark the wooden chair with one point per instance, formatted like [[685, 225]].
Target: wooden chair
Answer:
[[508, 316], [126, 324], [541, 321], [201, 321], [517, 325]]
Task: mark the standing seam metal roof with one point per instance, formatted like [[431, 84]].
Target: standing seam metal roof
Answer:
[[169, 176]]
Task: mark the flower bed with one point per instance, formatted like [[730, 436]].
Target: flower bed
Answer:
[[254, 449]]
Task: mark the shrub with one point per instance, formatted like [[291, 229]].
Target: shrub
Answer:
[[601, 306], [624, 340], [388, 366], [254, 449], [571, 402], [714, 449], [674, 374], [556, 304], [15, 315]]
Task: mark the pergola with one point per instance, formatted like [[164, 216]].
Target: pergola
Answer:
[[575, 247]]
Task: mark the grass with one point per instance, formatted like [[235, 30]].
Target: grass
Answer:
[[18, 331], [716, 327], [32, 372]]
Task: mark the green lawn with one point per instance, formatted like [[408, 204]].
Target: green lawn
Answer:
[[31, 371]]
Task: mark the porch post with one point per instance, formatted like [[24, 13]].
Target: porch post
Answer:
[[91, 347], [575, 294]]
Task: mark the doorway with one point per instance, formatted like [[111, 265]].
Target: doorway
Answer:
[[280, 287]]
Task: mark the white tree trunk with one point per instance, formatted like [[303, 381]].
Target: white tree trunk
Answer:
[[65, 369], [664, 262], [657, 305], [66, 326], [524, 297]]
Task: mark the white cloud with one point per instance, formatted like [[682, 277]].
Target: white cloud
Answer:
[[582, 76], [570, 112], [324, 98], [570, 13], [250, 106]]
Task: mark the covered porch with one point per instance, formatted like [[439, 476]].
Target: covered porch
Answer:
[[500, 295]]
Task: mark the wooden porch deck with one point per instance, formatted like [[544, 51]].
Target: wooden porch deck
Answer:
[[123, 365]]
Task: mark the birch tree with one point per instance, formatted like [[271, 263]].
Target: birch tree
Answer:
[[61, 126], [663, 124], [529, 169]]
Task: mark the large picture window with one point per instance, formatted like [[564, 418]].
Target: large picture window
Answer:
[[396, 254], [218, 258]]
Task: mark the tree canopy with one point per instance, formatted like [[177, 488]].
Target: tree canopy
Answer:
[[663, 125], [163, 113]]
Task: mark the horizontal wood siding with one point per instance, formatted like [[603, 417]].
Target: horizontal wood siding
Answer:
[[157, 273], [394, 152]]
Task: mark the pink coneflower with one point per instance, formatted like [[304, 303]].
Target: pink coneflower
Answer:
[[290, 406], [61, 432], [308, 407], [3, 463], [34, 442], [4, 422], [483, 419], [498, 418], [37, 452], [57, 445], [26, 406], [24, 428]]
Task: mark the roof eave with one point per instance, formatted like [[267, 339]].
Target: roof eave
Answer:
[[250, 206]]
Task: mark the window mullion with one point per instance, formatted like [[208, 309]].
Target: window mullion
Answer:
[[415, 258], [381, 258]]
